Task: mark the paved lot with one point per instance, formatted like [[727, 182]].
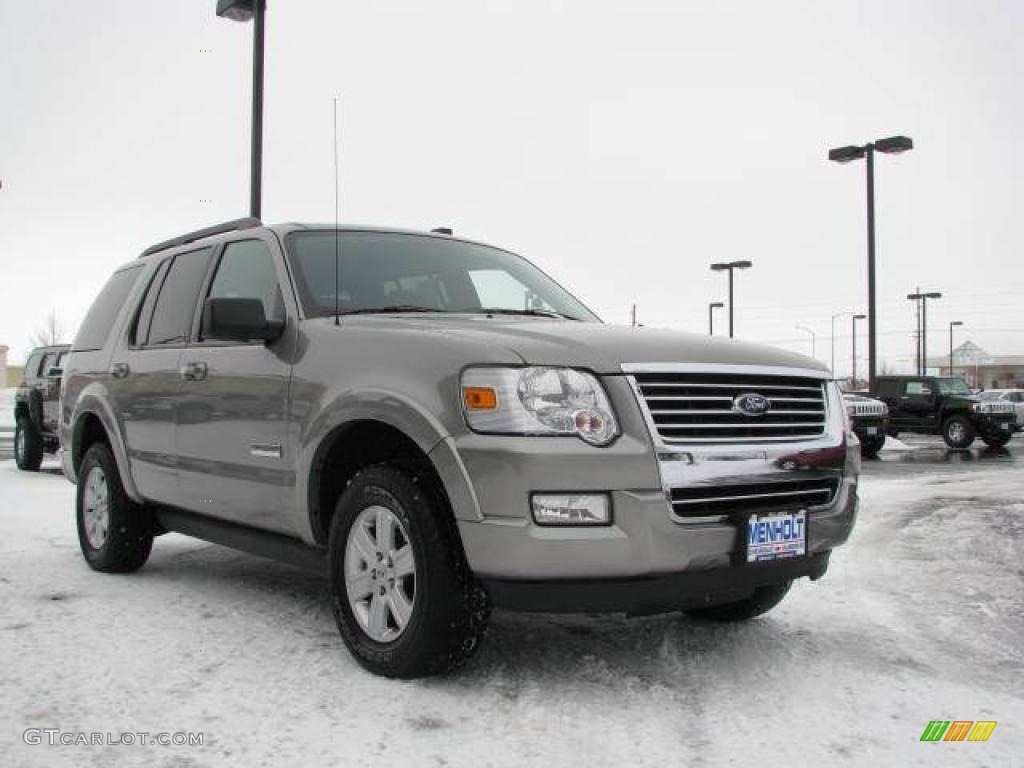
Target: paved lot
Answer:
[[920, 618]]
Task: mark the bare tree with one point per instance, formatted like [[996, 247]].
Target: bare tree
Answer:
[[50, 333]]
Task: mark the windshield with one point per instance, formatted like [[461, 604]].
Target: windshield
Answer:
[[398, 272], [953, 387]]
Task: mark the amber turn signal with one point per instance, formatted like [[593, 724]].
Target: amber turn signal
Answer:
[[480, 398]]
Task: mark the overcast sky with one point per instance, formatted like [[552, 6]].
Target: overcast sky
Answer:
[[620, 146]]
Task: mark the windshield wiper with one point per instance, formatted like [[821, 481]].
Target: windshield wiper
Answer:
[[386, 310], [529, 312]]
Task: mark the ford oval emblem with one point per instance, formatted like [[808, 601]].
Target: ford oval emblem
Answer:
[[751, 404]]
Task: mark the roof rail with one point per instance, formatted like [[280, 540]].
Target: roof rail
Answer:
[[217, 229]]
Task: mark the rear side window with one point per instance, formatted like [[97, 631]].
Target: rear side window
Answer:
[[918, 388], [145, 315], [32, 366], [104, 310], [175, 306]]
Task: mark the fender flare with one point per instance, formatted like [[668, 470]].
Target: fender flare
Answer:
[[94, 403], [403, 414]]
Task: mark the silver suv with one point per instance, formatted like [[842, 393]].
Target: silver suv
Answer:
[[441, 428]]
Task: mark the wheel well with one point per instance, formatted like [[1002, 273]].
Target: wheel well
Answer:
[[88, 430], [348, 449]]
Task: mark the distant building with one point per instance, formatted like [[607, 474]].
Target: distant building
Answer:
[[980, 369]]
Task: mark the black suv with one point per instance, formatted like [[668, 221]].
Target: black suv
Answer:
[[36, 406], [934, 405]]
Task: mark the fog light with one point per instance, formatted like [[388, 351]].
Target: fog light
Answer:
[[575, 509]]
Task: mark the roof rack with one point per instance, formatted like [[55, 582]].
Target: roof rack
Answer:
[[217, 229]]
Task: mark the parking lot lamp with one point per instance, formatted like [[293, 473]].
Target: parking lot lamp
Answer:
[[951, 324], [892, 145], [711, 316], [853, 361], [922, 367], [246, 10], [731, 266]]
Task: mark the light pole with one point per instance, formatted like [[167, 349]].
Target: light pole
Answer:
[[730, 265], [711, 316], [246, 10], [892, 145], [853, 361], [813, 338], [923, 298], [951, 324], [833, 338]]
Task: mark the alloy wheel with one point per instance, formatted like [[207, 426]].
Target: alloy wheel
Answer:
[[380, 574], [96, 508]]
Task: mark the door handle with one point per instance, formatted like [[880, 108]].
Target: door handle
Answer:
[[119, 370], [194, 371]]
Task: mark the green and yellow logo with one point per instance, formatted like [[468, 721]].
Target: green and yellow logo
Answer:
[[958, 730]]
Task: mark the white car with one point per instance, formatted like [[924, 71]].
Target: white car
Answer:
[[1015, 396]]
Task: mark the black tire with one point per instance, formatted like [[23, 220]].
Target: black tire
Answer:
[[449, 610], [871, 445], [996, 441], [128, 539], [762, 601], [28, 445], [958, 432]]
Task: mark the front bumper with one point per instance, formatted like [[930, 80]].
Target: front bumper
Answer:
[[991, 424], [648, 558], [862, 425], [652, 594]]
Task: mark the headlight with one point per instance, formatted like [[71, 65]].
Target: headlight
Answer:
[[538, 401]]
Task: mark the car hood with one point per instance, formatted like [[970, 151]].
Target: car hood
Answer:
[[598, 347]]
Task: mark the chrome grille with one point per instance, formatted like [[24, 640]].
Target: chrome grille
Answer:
[[709, 501], [699, 407]]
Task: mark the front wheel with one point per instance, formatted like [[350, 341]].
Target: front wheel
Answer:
[[403, 596], [871, 445], [996, 441], [28, 445], [958, 432], [762, 601], [115, 533]]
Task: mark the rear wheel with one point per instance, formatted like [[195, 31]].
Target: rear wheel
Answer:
[[958, 432], [28, 445], [115, 533], [762, 601], [403, 596]]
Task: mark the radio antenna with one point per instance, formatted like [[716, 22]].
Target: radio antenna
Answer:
[[337, 259]]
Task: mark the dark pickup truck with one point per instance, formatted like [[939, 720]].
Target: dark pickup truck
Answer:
[[936, 405], [36, 404]]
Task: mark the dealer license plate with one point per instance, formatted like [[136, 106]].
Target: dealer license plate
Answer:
[[872, 430], [776, 535], [1005, 426]]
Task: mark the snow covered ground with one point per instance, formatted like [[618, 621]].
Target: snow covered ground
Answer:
[[920, 618]]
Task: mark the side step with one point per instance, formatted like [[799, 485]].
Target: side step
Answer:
[[274, 546]]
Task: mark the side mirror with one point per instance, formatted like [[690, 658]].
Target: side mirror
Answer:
[[54, 372], [242, 319]]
